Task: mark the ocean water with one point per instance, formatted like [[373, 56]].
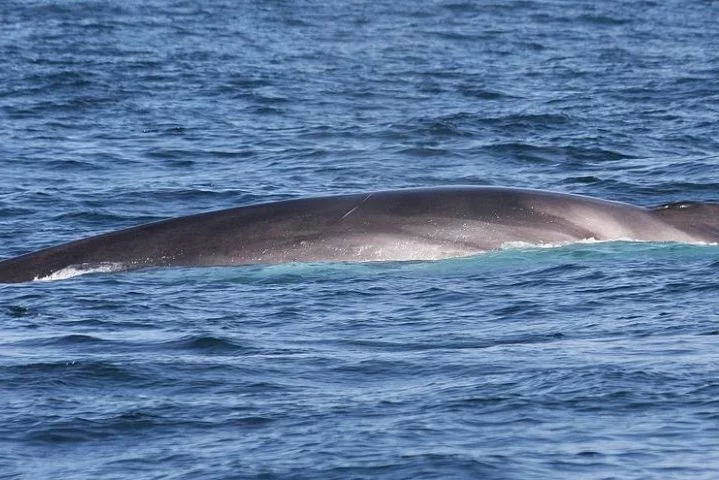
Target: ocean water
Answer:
[[592, 361]]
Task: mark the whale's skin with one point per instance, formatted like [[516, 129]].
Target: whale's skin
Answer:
[[410, 224]]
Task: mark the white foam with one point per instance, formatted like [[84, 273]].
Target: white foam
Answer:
[[522, 245], [75, 270], [525, 245]]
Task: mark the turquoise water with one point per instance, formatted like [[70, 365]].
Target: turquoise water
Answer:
[[595, 360]]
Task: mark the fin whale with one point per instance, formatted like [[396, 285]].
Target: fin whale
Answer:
[[412, 224]]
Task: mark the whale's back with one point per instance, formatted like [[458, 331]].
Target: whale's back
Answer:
[[415, 224]]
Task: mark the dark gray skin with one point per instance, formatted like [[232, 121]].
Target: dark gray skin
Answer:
[[418, 224]]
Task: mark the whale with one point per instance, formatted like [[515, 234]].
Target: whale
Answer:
[[394, 225]]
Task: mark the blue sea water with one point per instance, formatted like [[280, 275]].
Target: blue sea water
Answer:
[[590, 361]]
